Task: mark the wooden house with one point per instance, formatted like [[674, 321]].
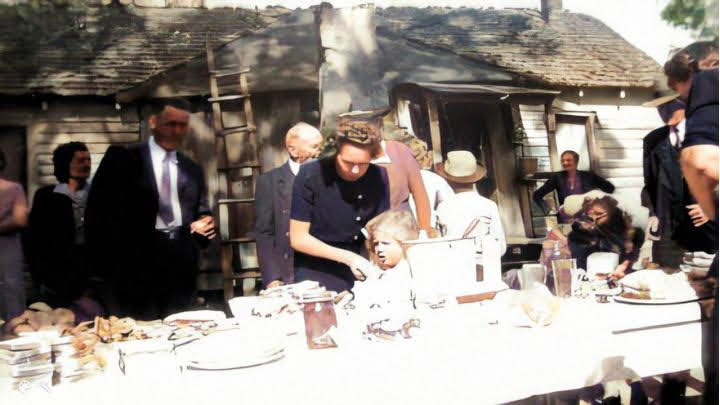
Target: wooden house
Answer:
[[512, 85]]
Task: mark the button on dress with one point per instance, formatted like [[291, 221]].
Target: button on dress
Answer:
[[336, 216]]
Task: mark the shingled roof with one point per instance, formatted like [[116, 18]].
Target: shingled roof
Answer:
[[82, 50], [569, 50]]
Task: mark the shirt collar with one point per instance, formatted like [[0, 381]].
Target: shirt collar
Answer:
[[679, 134], [385, 158], [158, 153], [78, 195], [294, 166]]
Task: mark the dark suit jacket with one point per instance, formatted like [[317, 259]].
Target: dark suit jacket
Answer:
[[701, 114], [273, 195], [666, 194], [54, 259], [120, 225], [558, 182]]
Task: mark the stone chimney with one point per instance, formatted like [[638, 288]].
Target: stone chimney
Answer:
[[547, 7]]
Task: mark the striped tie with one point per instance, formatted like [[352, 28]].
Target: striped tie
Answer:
[[165, 204]]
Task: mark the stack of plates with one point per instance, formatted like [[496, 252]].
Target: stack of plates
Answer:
[[697, 264], [27, 362], [232, 349], [68, 365]]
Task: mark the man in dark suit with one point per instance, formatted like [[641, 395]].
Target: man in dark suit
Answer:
[[273, 195], [147, 214], [676, 221], [570, 181]]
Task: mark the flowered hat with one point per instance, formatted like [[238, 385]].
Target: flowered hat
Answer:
[[364, 127]]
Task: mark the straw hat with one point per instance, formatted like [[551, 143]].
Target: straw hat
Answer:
[[656, 102], [362, 127], [461, 167]]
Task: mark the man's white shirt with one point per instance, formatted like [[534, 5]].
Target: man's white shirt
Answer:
[[455, 214], [157, 154]]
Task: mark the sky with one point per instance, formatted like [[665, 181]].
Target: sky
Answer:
[[638, 21]]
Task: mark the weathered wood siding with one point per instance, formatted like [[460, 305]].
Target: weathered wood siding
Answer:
[[99, 124], [618, 132], [98, 133]]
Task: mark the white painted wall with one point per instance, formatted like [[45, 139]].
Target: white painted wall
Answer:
[[619, 131]]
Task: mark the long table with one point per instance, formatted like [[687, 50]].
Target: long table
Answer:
[[461, 356]]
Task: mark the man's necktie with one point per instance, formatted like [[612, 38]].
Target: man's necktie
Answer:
[[165, 206]]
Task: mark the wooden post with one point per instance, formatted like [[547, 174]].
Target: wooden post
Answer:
[[551, 127], [434, 129], [593, 149]]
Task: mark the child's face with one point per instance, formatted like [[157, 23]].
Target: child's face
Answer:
[[388, 250]]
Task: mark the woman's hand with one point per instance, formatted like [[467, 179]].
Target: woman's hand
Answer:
[[359, 265], [697, 215]]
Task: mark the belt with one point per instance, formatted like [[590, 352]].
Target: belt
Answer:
[[171, 233]]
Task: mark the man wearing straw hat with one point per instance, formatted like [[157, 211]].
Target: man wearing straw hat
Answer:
[[455, 215], [333, 199]]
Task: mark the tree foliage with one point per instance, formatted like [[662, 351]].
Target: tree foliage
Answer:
[[697, 15]]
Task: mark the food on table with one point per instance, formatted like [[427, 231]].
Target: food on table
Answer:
[[41, 317], [656, 284], [537, 304]]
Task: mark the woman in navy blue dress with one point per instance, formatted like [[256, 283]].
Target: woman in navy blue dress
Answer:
[[333, 199]]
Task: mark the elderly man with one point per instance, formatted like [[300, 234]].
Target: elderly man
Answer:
[[570, 181], [147, 213], [56, 233], [333, 199], [273, 194]]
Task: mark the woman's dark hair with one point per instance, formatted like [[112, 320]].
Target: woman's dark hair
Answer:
[[374, 148], [618, 222], [700, 50], [62, 156], [572, 153], [681, 66], [3, 162]]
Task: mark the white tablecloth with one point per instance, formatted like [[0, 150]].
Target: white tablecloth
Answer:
[[458, 358]]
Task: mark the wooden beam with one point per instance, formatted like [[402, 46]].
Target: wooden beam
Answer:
[[593, 149], [551, 127], [435, 138]]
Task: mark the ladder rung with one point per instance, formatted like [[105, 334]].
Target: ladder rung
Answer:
[[242, 166], [232, 130], [235, 201], [229, 97], [228, 72], [236, 241], [249, 273]]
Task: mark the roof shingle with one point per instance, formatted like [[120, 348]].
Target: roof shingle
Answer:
[[101, 50], [569, 50]]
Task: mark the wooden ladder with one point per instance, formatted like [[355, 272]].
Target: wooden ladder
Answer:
[[238, 167]]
